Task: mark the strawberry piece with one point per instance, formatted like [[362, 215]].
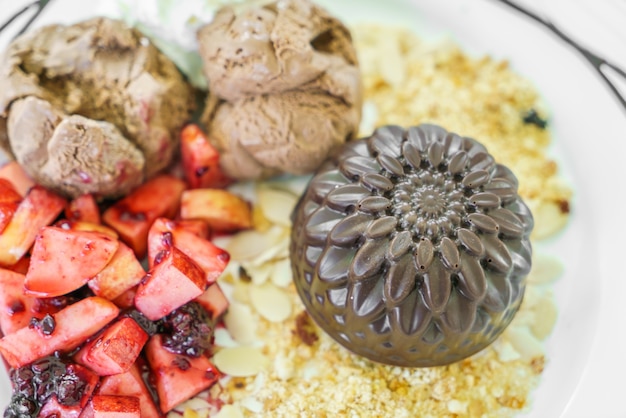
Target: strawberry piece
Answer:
[[178, 377], [86, 226], [213, 301], [130, 383], [222, 210], [132, 216], [71, 327], [14, 172], [63, 261], [200, 159], [169, 285], [115, 349], [39, 208], [110, 406], [83, 208], [165, 233], [15, 308], [123, 272]]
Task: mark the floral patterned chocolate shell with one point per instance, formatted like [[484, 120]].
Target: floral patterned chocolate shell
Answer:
[[411, 246]]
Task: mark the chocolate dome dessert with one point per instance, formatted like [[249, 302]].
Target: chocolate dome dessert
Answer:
[[410, 247]]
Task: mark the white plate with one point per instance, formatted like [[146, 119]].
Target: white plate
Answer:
[[585, 370]]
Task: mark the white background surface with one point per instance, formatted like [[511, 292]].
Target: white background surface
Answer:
[[586, 376]]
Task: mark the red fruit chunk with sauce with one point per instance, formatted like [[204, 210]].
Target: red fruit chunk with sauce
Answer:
[[213, 301], [122, 273], [83, 208], [165, 234], [64, 260], [14, 172], [178, 377], [169, 285], [68, 328], [110, 406], [133, 215], [130, 383], [115, 350], [86, 226], [39, 208], [200, 160], [222, 210], [16, 309], [9, 201]]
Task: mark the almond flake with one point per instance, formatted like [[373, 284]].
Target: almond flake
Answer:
[[270, 302], [249, 244], [259, 274], [524, 342], [241, 323], [222, 338], [276, 205], [240, 361], [546, 269], [545, 313], [281, 273], [229, 411]]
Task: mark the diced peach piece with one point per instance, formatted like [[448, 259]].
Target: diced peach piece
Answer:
[[133, 215], [169, 285], [39, 208], [63, 261], [14, 172], [123, 272], [130, 383], [15, 307], [200, 159], [178, 377], [72, 326], [83, 208], [213, 301], [165, 233], [115, 349], [222, 210], [86, 226], [111, 406], [52, 408]]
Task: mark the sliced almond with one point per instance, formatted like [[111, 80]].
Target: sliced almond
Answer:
[[252, 404], [545, 317], [270, 302], [281, 273], [241, 323], [276, 205], [229, 411], [240, 361], [546, 269], [249, 244], [259, 274], [524, 342], [505, 351], [222, 338]]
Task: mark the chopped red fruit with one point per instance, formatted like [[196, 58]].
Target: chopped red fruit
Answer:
[[14, 172], [83, 208], [9, 201], [22, 265], [115, 349], [52, 408], [86, 226], [39, 208], [16, 309], [200, 159], [222, 210], [130, 383], [122, 273], [65, 331], [111, 406], [126, 299], [64, 260], [132, 216], [169, 285], [213, 301], [178, 377], [195, 226], [165, 234]]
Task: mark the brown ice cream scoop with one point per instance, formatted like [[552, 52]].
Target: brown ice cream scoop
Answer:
[[411, 246], [285, 87], [92, 107]]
